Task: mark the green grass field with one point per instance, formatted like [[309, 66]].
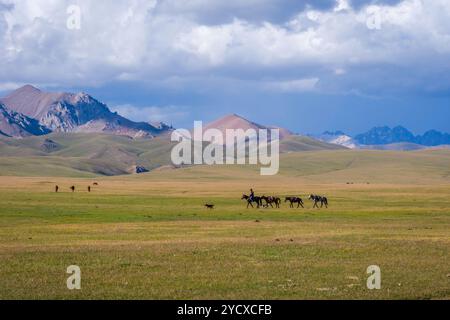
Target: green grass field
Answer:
[[149, 237]]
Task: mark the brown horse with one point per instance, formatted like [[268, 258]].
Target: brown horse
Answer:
[[270, 201], [293, 200], [250, 202], [316, 199]]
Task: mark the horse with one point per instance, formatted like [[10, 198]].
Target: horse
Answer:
[[270, 201], [209, 206], [56, 189], [277, 202], [89, 188], [72, 188], [255, 199], [323, 201], [293, 200]]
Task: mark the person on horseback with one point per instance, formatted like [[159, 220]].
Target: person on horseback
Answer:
[[252, 195]]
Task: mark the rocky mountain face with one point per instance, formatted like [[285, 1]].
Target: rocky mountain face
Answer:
[[434, 138], [386, 135], [69, 112], [13, 124]]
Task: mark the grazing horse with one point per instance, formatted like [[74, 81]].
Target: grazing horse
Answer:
[[209, 206], [72, 188], [323, 201], [250, 201], [293, 200]]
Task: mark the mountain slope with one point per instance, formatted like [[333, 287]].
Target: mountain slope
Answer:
[[68, 112], [301, 143], [81, 153], [104, 154], [13, 124]]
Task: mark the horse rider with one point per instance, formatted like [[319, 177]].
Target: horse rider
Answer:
[[252, 195]]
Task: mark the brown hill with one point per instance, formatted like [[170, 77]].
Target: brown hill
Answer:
[[234, 122]]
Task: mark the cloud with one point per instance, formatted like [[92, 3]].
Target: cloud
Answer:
[[153, 41], [341, 5], [298, 85], [151, 114], [9, 86]]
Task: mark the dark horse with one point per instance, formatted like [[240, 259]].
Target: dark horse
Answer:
[[270, 201], [257, 200], [323, 201], [293, 200]]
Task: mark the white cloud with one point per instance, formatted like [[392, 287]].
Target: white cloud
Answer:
[[298, 85], [341, 5], [9, 86], [151, 41]]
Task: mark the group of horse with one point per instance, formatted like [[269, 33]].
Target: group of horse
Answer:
[[72, 188], [275, 202]]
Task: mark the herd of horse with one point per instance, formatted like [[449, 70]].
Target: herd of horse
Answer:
[[275, 202], [260, 201]]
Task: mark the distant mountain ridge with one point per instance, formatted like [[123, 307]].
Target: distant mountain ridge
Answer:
[[70, 112], [386, 135], [338, 138], [386, 138]]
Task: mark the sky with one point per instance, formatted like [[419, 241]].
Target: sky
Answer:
[[309, 66]]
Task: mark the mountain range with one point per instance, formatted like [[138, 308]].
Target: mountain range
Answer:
[[30, 111], [386, 138], [385, 135]]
